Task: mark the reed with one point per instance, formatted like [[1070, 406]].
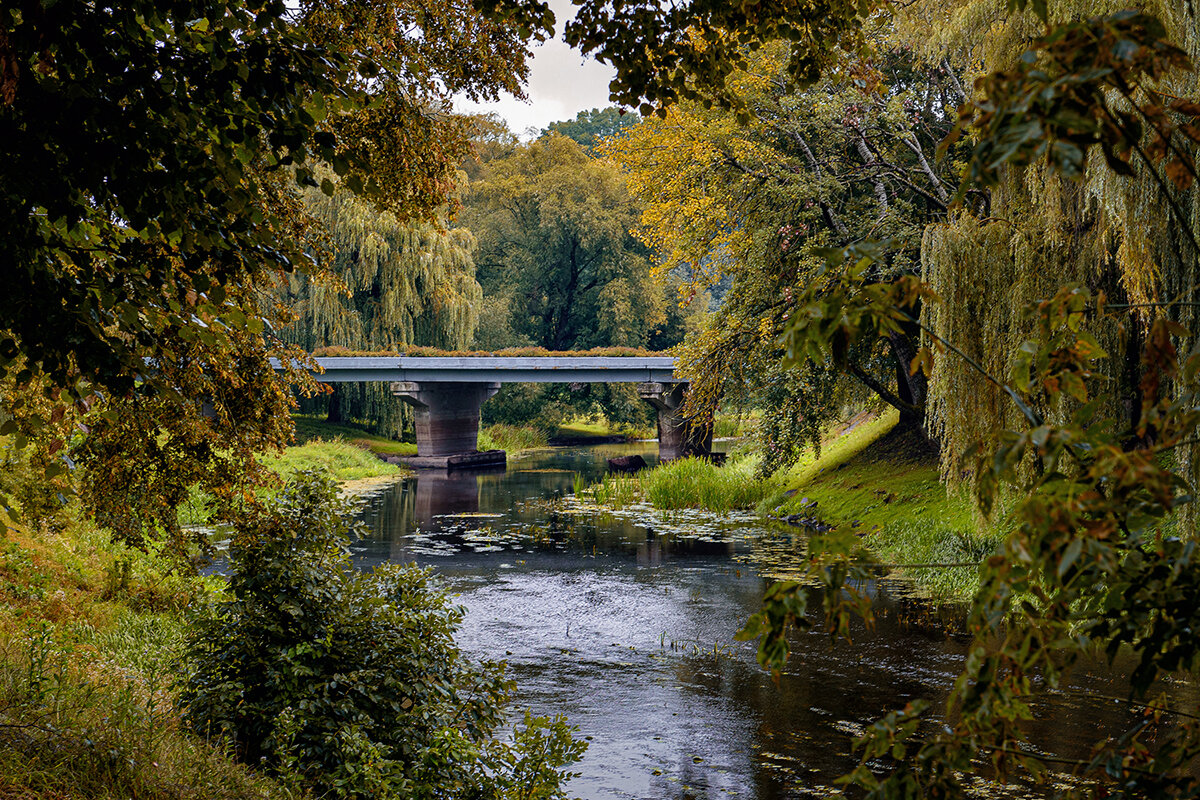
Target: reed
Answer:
[[613, 491], [512, 438], [698, 483]]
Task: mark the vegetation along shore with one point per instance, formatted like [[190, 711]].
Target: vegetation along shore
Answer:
[[935, 265]]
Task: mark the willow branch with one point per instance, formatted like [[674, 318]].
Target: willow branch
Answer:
[[884, 393]]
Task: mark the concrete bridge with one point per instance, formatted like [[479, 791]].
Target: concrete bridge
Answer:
[[446, 394]]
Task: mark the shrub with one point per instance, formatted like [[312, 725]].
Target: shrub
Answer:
[[353, 681]]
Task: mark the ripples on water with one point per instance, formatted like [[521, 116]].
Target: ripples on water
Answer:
[[624, 622]]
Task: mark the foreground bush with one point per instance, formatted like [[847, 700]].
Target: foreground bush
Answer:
[[351, 683]]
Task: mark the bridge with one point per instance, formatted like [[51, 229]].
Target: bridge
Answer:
[[446, 394]]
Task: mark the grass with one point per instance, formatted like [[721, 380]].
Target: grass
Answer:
[[342, 461], [684, 483], [887, 483], [728, 425], [699, 483], [310, 428], [88, 635], [338, 458], [511, 438], [589, 427], [613, 490], [841, 446]]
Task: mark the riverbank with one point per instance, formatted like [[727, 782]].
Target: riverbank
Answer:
[[885, 482], [357, 469], [881, 481], [89, 632], [512, 439]]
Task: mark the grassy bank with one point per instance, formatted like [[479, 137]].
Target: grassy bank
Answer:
[[510, 438], [886, 482], [583, 428], [345, 462], [869, 475], [312, 428], [89, 637], [88, 633], [340, 459]]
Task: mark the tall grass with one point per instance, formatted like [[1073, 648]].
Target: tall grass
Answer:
[[613, 491], [685, 483], [698, 483], [511, 438], [734, 426], [77, 724]]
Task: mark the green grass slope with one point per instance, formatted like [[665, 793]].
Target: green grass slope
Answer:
[[887, 481]]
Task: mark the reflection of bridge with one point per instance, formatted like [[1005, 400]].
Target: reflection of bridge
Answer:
[[446, 394]]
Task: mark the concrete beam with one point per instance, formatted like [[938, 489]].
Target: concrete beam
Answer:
[[446, 414], [487, 369], [677, 436]]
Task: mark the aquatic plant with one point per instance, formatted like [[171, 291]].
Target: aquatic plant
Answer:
[[699, 483]]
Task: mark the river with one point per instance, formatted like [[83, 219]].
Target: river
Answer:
[[624, 622]]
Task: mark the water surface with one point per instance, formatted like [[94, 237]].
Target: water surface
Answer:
[[625, 622]]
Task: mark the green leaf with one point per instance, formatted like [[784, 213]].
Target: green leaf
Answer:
[[1070, 555]]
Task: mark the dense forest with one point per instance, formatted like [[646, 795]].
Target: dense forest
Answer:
[[979, 218]]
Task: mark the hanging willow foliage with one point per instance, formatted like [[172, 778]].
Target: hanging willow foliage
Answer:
[[1125, 236], [393, 284]]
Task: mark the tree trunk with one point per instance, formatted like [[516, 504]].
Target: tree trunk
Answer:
[[913, 388], [334, 412]]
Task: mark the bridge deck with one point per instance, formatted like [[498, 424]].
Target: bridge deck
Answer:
[[462, 369]]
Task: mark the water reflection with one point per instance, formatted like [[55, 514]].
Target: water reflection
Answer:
[[625, 623]]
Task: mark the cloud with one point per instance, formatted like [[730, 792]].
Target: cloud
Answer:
[[561, 84]]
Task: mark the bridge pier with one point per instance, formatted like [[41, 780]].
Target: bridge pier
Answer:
[[447, 420], [677, 436]]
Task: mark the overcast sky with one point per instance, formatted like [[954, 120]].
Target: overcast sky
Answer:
[[561, 83]]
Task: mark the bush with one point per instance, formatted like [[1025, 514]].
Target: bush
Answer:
[[351, 682]]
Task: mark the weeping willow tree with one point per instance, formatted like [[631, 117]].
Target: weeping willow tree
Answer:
[[1128, 233], [389, 284]]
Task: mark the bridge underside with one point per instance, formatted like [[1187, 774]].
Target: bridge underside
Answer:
[[447, 421]]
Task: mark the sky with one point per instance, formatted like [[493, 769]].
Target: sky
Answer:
[[561, 84]]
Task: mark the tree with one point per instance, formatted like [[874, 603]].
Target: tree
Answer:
[[590, 128], [848, 158], [389, 284], [553, 227], [1067, 219], [148, 155], [1090, 563], [666, 53], [1094, 562]]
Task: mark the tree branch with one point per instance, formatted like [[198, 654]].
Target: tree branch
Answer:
[[885, 394]]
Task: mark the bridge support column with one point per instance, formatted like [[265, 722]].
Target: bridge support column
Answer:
[[677, 437], [447, 414]]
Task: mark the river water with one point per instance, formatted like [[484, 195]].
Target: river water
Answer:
[[625, 621]]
